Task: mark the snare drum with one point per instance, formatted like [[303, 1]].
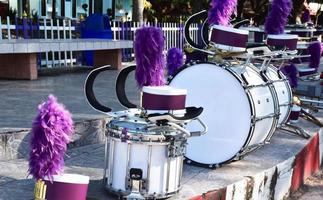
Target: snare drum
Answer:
[[138, 150], [239, 110]]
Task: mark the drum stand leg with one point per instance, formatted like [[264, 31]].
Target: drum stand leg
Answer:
[[295, 130], [309, 117]]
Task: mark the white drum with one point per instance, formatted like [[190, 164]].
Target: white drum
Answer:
[[139, 151], [239, 110], [283, 92]]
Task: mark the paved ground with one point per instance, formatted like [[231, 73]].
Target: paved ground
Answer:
[[88, 160], [19, 99], [312, 190]]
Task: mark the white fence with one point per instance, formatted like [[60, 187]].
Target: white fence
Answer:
[[42, 29], [173, 32], [67, 29]]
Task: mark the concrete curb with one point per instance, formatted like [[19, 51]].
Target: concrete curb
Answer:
[[277, 182], [14, 142]]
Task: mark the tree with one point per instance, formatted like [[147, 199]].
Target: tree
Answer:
[[175, 10], [298, 6], [138, 10], [240, 9], [260, 10]]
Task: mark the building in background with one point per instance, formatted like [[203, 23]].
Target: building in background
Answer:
[[73, 9]]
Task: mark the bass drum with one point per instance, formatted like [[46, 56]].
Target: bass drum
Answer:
[[240, 110], [283, 92]]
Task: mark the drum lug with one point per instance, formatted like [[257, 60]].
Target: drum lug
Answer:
[[177, 148], [135, 184]]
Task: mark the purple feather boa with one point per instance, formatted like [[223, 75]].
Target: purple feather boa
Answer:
[[315, 50], [221, 11], [51, 131], [149, 45], [291, 73], [278, 16], [174, 60]]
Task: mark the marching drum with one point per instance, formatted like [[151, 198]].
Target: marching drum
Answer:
[[283, 92], [145, 145], [228, 38], [283, 40], [144, 157], [240, 110]]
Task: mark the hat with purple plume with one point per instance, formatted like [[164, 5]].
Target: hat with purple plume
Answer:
[[174, 60], [315, 50], [51, 131], [306, 17], [149, 45], [278, 16], [220, 12], [291, 73]]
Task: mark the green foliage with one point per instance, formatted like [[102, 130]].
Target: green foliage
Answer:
[[12, 13], [173, 10]]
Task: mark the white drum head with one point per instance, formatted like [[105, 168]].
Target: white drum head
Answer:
[[227, 112]]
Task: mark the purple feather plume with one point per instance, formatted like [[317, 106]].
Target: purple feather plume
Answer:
[[51, 131], [149, 45], [306, 17], [278, 16], [220, 12], [315, 50], [291, 73], [174, 60]]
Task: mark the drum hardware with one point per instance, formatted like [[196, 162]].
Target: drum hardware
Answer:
[[277, 81], [210, 166], [248, 87], [249, 149], [309, 117], [286, 104], [257, 119], [295, 130], [135, 183]]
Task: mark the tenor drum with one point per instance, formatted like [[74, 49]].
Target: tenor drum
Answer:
[[152, 154], [239, 110], [283, 40], [283, 92], [228, 38]]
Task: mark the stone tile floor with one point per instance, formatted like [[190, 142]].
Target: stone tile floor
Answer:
[[19, 99], [312, 189], [89, 160]]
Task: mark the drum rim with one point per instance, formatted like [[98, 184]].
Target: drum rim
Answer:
[[276, 103], [252, 111], [155, 142], [115, 131], [122, 193], [290, 92]]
